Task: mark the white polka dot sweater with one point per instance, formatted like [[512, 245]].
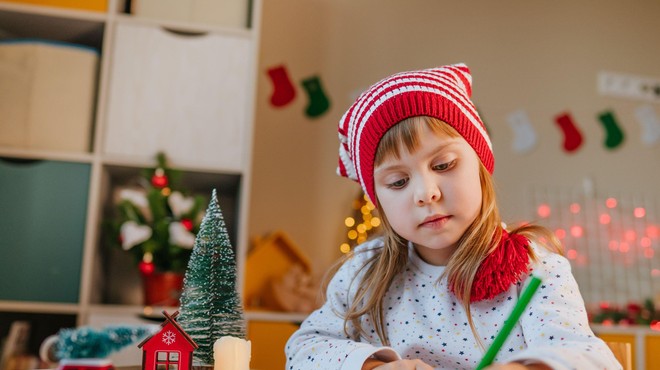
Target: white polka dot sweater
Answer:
[[424, 321]]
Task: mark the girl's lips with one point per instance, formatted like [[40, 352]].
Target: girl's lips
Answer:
[[434, 221]]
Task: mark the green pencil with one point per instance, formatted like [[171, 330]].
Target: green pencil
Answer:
[[518, 309]]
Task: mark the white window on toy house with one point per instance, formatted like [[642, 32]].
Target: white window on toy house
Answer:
[[612, 240], [167, 360]]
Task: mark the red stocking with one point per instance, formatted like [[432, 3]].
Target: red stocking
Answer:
[[572, 135], [283, 92]]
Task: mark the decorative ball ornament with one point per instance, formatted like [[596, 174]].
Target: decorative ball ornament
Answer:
[[159, 179], [187, 223], [146, 268]]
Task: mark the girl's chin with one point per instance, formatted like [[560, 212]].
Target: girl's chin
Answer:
[[436, 254]]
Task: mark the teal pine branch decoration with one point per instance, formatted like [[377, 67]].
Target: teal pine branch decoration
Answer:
[[86, 342]]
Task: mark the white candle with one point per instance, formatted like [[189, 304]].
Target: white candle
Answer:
[[231, 353]]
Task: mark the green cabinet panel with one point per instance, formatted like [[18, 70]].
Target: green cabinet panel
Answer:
[[43, 206]]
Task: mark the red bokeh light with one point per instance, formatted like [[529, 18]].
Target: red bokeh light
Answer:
[[645, 242], [604, 218], [649, 253], [571, 254], [613, 245], [577, 231], [611, 202], [575, 208], [543, 210]]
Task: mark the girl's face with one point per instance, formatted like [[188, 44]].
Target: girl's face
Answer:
[[432, 194]]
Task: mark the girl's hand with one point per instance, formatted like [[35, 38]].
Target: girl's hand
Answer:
[[373, 364]]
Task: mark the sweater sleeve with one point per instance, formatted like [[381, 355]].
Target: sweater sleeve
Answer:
[[321, 342], [555, 323]]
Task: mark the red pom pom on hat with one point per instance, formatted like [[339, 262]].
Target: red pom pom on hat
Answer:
[[502, 268], [442, 92]]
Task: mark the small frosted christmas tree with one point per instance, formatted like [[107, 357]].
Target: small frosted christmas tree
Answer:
[[210, 305]]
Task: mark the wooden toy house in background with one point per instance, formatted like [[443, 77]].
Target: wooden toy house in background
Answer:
[[169, 349], [279, 276]]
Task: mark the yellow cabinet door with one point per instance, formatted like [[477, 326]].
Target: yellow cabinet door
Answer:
[[268, 340]]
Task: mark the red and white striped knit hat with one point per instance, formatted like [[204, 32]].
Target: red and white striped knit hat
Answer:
[[442, 92]]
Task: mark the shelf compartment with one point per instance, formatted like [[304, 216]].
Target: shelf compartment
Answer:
[[41, 326], [116, 280], [66, 26], [45, 203]]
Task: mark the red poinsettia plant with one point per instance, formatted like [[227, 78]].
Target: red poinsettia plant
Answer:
[[156, 221]]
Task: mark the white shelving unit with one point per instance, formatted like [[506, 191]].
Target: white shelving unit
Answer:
[[109, 167]]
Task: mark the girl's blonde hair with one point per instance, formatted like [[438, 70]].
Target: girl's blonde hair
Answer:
[[477, 242]]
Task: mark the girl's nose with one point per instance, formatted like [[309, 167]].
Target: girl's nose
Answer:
[[428, 192]]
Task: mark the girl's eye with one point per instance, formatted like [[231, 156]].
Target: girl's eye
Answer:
[[397, 184], [444, 166]]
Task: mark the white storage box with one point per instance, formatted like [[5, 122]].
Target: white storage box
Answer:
[[47, 92], [229, 13], [184, 95]]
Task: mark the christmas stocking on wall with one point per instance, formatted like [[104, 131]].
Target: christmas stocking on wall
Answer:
[[572, 135], [650, 123], [613, 133], [524, 135], [318, 100], [283, 90]]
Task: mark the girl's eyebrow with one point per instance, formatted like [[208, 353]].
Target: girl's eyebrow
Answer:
[[447, 145], [444, 146], [380, 169], [437, 150]]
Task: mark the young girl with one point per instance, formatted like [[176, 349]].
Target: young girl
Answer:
[[434, 292]]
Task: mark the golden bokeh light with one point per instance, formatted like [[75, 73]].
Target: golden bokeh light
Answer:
[[360, 230], [345, 248]]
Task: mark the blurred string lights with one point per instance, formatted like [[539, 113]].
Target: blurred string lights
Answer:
[[362, 224], [612, 242]]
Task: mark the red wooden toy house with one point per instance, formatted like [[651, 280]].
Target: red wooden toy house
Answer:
[[169, 349]]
